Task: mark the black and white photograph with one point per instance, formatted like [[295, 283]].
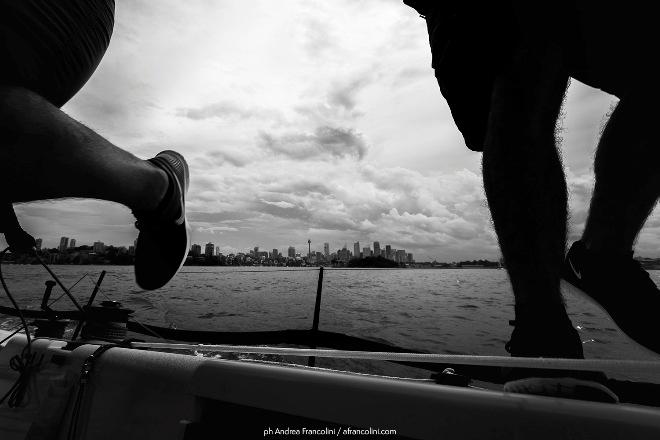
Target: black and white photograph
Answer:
[[316, 219]]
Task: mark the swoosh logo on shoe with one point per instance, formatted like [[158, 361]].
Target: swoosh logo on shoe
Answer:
[[575, 271]]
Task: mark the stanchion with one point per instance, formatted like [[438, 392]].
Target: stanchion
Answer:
[[317, 312]]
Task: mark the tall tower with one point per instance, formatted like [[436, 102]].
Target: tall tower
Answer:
[[309, 247], [326, 250], [64, 243], [72, 243], [356, 249], [376, 249]]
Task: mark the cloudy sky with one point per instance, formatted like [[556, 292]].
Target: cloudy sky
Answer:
[[300, 119]]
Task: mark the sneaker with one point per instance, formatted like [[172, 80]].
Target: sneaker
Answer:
[[162, 244], [545, 337], [620, 287], [563, 387], [551, 335]]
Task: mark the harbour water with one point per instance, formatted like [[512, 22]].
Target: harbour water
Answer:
[[453, 311]]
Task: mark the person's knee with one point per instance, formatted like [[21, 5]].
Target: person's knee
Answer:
[[526, 100]]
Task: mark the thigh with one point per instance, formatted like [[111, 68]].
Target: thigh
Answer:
[[607, 45], [527, 97], [52, 47]]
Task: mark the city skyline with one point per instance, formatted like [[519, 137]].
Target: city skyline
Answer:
[[318, 120], [211, 248]]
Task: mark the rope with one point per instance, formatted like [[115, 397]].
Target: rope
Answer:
[[16, 329], [85, 375], [25, 365], [493, 361], [70, 289], [57, 280]]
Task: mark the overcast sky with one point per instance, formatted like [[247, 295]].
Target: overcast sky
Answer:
[[300, 119]]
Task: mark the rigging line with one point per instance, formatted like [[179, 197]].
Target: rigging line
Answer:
[[66, 291], [70, 289], [11, 298], [494, 361], [14, 330]]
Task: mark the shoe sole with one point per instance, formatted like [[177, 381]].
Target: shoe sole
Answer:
[[186, 180], [576, 291]]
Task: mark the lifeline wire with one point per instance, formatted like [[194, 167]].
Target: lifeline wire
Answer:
[[70, 289], [495, 361]]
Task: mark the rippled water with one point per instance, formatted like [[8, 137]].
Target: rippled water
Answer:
[[460, 311]]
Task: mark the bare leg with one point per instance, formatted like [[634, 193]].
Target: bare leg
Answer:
[[524, 179], [627, 168], [45, 154]]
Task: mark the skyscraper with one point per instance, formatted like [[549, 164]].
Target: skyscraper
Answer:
[[217, 250], [196, 250], [366, 252], [291, 252], [376, 249], [208, 249], [64, 243], [356, 249], [37, 243], [98, 247], [72, 243], [326, 250], [388, 252]]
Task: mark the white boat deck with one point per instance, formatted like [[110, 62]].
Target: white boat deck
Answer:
[[136, 394]]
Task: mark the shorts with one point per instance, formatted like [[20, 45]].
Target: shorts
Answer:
[[52, 47], [607, 46], [468, 51]]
